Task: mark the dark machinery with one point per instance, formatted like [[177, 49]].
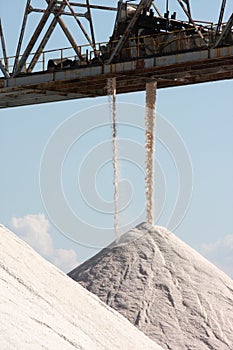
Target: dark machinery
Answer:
[[152, 34], [140, 31], [145, 45]]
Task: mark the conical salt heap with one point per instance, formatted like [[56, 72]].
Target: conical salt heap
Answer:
[[165, 288]]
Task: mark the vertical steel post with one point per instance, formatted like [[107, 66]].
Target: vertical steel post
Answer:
[[167, 6], [91, 26], [151, 90]]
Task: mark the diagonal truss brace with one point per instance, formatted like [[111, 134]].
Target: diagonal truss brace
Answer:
[[3, 47], [156, 9], [57, 19], [225, 32], [82, 28], [26, 12], [35, 36], [188, 7], [220, 17], [48, 33], [4, 71], [46, 38], [188, 13]]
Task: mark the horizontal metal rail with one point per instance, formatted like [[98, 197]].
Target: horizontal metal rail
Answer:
[[134, 44]]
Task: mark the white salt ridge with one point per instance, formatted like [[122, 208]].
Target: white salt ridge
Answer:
[[42, 308], [165, 288]]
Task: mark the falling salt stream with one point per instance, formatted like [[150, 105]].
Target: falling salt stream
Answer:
[[150, 148], [111, 86]]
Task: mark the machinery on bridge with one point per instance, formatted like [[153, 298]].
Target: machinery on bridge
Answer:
[[147, 50], [140, 31], [144, 43], [144, 32]]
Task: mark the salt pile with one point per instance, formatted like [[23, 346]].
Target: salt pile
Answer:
[[42, 308], [165, 288]]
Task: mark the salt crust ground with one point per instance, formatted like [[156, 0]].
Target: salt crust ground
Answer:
[[42, 308], [165, 288]]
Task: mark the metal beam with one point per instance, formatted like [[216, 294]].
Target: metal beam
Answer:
[[68, 34], [80, 24], [26, 12], [37, 10], [156, 9], [45, 39], [91, 25], [225, 31], [82, 29], [188, 6], [4, 71], [168, 71], [144, 4], [186, 11], [220, 17], [96, 7], [3, 47], [35, 36]]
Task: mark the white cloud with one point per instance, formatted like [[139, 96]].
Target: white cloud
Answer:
[[34, 229], [220, 253], [65, 259]]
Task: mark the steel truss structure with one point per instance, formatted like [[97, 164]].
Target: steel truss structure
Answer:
[[142, 38]]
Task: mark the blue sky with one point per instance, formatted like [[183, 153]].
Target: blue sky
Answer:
[[201, 114]]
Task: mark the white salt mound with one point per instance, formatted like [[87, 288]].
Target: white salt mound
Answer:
[[42, 308], [165, 288]]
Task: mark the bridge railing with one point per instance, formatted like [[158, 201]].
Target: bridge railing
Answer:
[[142, 46]]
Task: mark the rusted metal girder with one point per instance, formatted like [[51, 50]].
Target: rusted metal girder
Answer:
[[26, 12], [169, 71], [50, 9], [220, 17], [156, 9], [82, 28], [96, 7], [4, 71], [68, 34], [188, 7], [37, 10], [142, 5], [89, 17], [57, 19], [225, 31], [45, 39], [187, 12], [3, 47]]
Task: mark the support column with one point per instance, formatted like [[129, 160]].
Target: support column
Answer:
[[151, 89], [111, 86]]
